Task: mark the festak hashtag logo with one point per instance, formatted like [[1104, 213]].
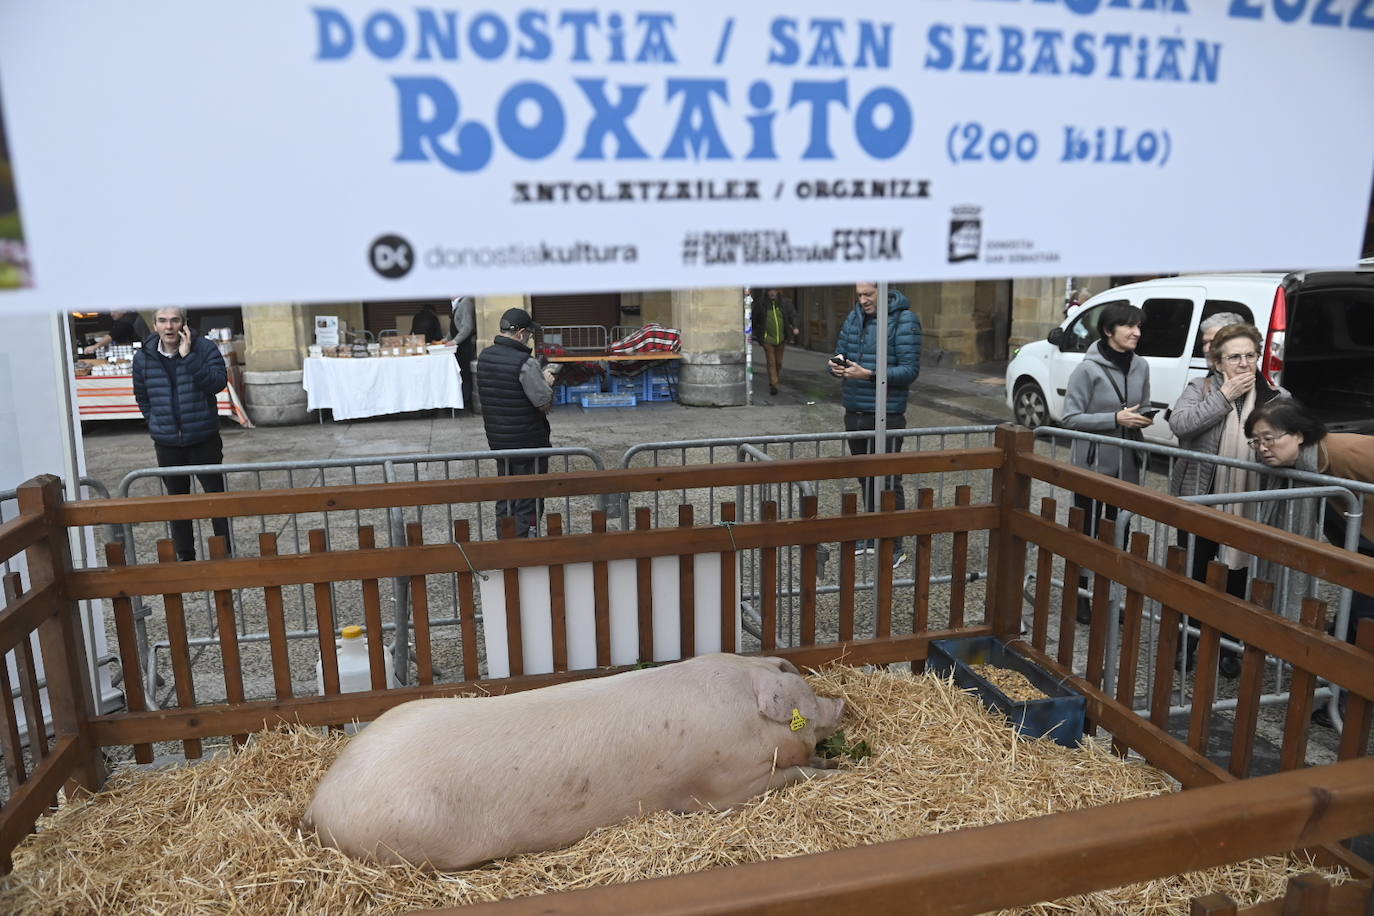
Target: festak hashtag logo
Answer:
[[691, 248], [391, 256]]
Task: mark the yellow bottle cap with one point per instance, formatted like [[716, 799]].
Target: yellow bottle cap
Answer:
[[353, 632]]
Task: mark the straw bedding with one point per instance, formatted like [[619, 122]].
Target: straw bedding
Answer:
[[221, 835]]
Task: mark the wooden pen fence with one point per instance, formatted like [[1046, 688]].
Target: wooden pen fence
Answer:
[[1226, 815]]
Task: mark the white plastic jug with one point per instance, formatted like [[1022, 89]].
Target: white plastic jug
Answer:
[[355, 673]]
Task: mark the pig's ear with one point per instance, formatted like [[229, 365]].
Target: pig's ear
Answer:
[[784, 665], [778, 694]]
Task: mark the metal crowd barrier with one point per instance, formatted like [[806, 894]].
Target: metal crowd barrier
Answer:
[[574, 338], [1296, 487], [389, 528], [749, 501]]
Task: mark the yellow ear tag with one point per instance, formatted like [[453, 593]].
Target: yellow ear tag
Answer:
[[798, 720]]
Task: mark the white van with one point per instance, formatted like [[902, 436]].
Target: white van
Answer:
[[1319, 342]]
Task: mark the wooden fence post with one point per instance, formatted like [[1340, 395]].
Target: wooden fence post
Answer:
[[61, 637], [1006, 553]]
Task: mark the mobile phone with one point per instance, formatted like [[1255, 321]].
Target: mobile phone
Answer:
[[1148, 412], [839, 361]]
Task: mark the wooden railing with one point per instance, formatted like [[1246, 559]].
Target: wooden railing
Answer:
[[1223, 821]]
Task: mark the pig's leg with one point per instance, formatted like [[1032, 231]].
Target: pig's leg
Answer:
[[790, 776], [823, 763]]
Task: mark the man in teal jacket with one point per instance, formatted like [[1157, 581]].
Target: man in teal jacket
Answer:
[[856, 363]]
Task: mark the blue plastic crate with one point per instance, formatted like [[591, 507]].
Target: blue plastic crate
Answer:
[[608, 400], [659, 384], [1059, 717], [572, 394], [626, 384]]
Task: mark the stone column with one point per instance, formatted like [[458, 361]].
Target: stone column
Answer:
[[275, 338], [711, 373]]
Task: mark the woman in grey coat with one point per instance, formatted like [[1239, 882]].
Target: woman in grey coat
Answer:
[[1109, 393], [1210, 418]]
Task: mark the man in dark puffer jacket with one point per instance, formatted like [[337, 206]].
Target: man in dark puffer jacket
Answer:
[[177, 376], [856, 362], [516, 395]]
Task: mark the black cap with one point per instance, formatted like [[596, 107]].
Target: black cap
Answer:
[[518, 319]]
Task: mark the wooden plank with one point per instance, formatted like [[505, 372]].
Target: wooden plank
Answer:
[[1212, 905], [1005, 602], [1101, 611], [221, 719], [276, 623], [515, 635], [1317, 558], [342, 565], [178, 647], [372, 615], [1205, 668], [849, 505], [809, 508], [1170, 620], [729, 598], [20, 533], [324, 617], [1324, 656], [130, 662], [1300, 687], [920, 592], [1068, 595], [1132, 609], [1044, 572], [548, 486], [23, 615], [1034, 860], [687, 592], [1306, 895], [227, 624], [419, 612], [601, 596], [11, 744], [1249, 690], [558, 609], [768, 583], [27, 668], [1153, 743], [1359, 712], [29, 802], [467, 602], [958, 564], [886, 550], [644, 584]]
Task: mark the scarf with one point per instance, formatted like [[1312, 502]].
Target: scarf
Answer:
[[1236, 480]]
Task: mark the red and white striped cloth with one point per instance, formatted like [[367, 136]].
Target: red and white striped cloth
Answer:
[[650, 338]]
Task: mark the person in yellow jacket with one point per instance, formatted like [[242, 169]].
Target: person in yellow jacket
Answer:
[[774, 320]]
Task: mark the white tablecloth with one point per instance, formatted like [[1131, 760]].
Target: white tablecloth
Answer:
[[354, 388]]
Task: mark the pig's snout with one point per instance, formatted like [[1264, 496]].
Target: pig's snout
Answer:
[[828, 720]]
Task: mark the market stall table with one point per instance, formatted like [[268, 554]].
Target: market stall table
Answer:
[[111, 397], [354, 388]]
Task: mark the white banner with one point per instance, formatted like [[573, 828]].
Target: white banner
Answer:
[[281, 150]]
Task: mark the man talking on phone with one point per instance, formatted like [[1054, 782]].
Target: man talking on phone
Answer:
[[177, 377], [855, 363]]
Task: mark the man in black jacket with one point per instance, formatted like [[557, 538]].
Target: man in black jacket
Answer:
[[516, 396], [177, 377]]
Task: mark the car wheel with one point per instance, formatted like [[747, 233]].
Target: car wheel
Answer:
[[1029, 405]]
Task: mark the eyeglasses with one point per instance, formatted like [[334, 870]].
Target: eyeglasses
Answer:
[[1236, 359], [1265, 441]]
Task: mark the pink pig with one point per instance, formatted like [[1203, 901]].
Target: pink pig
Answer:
[[450, 783]]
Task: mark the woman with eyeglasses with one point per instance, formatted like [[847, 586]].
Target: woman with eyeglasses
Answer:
[[1284, 434], [1210, 418]]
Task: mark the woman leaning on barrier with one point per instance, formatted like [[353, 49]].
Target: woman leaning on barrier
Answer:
[[1109, 393], [1284, 434], [1210, 418]]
